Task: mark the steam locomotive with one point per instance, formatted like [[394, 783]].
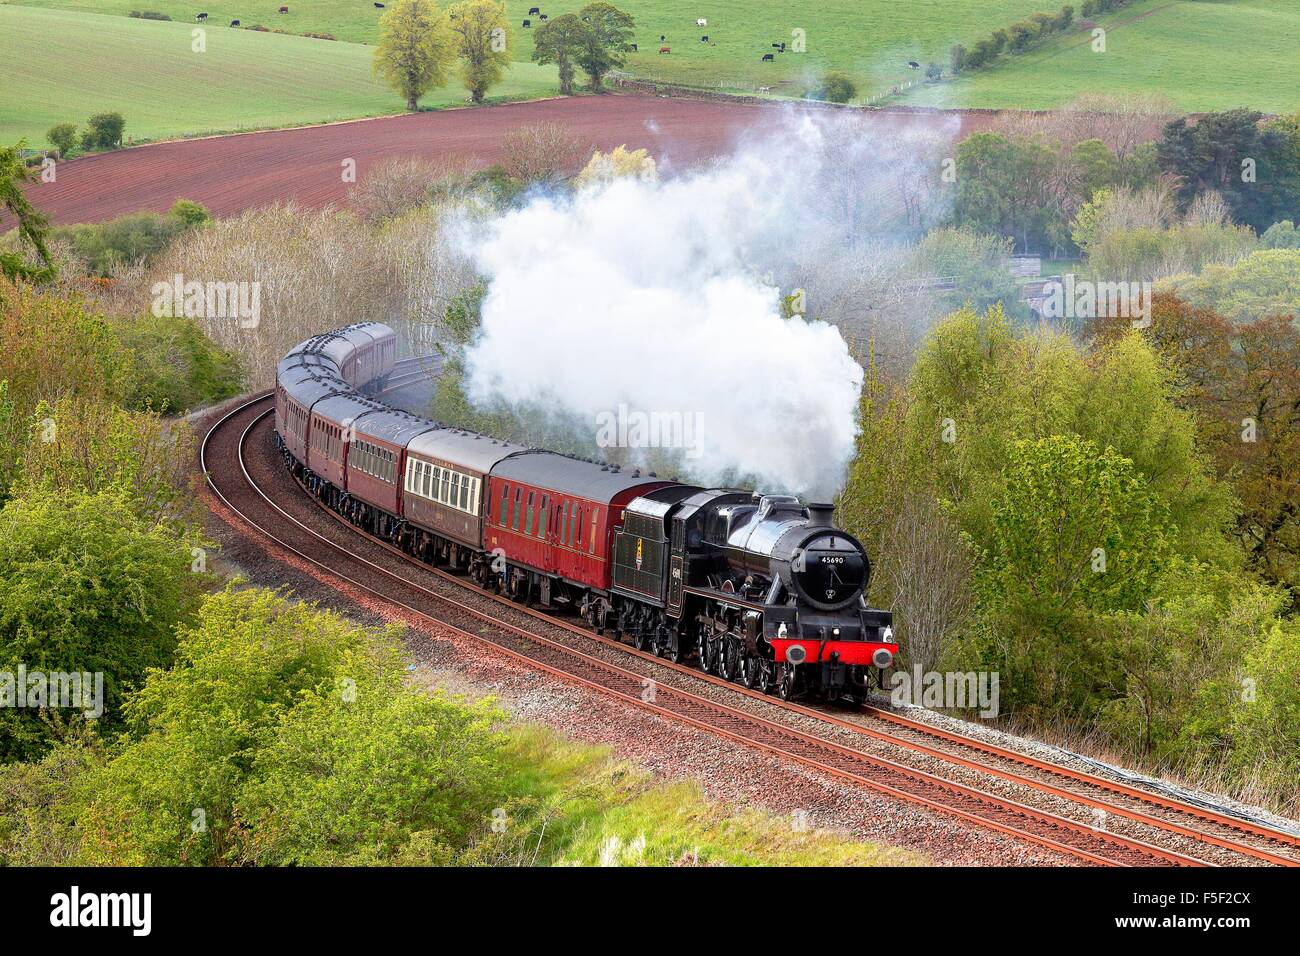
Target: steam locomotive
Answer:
[[753, 588]]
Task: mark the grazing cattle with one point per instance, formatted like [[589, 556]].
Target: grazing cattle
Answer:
[[201, 17], [705, 38], [532, 10], [527, 24], [701, 22], [765, 89], [777, 46], [379, 6], [234, 23], [633, 47], [284, 9], [544, 16], [665, 49], [768, 56], [913, 65]]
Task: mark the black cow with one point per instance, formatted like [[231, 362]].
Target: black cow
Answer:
[[633, 47], [201, 17], [704, 39], [234, 23], [527, 24], [913, 65], [284, 9], [662, 38], [777, 46], [543, 16], [532, 10], [379, 6], [768, 56]]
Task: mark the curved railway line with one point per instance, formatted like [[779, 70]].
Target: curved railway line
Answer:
[[1092, 819]]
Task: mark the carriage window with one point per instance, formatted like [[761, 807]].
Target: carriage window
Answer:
[[455, 489], [592, 540], [541, 521], [578, 524], [446, 487], [514, 517], [505, 505], [464, 493], [529, 525], [473, 495]]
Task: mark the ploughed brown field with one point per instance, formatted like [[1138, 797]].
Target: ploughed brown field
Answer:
[[231, 173]]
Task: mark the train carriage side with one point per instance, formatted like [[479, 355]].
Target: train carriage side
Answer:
[[555, 516], [329, 431], [376, 463], [296, 394], [446, 486]]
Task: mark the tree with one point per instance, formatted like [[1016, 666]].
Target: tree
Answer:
[[542, 152], [190, 212], [1003, 188], [103, 131], [1264, 283], [561, 41], [607, 42], [482, 42], [86, 586], [1256, 168], [33, 228], [836, 88], [63, 137], [415, 49], [618, 163]]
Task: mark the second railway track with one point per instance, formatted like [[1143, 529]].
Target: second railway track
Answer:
[[1157, 829]]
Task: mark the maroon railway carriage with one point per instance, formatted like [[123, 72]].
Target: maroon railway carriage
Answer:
[[376, 463], [553, 517], [445, 494], [327, 441]]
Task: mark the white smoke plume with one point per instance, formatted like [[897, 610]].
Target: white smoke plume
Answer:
[[662, 296]]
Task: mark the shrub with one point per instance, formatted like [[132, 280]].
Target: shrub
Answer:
[[103, 131], [149, 15], [190, 212], [63, 137], [836, 88], [177, 367], [934, 72], [108, 246]]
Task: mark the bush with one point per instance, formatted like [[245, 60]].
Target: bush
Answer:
[[1281, 235], [103, 131], [177, 367], [934, 72], [63, 138], [108, 246], [85, 586], [836, 88], [190, 212], [148, 15]]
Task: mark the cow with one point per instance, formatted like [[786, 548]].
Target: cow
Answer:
[[533, 10], [284, 9], [527, 24], [705, 38], [701, 22], [234, 23], [777, 46], [665, 49], [768, 56], [662, 38], [544, 16], [765, 89], [913, 65], [633, 46], [379, 6], [201, 17]]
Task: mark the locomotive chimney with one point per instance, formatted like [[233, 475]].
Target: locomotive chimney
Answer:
[[819, 515]]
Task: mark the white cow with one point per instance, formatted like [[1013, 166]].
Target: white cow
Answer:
[[701, 22]]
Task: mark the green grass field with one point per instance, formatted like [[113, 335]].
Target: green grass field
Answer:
[[870, 39], [61, 66], [1201, 54]]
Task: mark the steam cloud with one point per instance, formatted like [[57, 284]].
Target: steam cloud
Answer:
[[660, 296]]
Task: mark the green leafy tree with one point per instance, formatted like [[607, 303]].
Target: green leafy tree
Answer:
[[562, 41], [86, 585], [103, 131], [607, 42], [190, 212], [483, 43], [415, 49], [33, 228], [1003, 189], [836, 88], [63, 137]]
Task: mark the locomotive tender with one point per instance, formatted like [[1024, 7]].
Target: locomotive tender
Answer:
[[754, 588]]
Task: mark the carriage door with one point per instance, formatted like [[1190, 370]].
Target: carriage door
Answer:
[[676, 567]]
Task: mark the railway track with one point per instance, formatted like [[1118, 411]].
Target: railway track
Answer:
[[237, 482]]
